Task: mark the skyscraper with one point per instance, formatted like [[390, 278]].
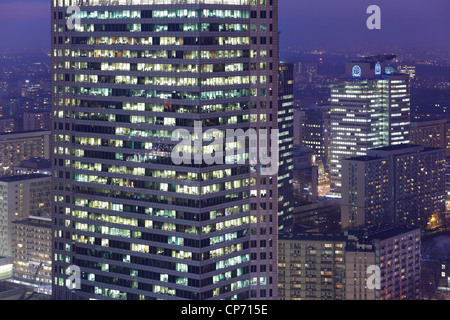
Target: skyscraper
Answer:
[[369, 109], [21, 146], [286, 145], [316, 131], [131, 77], [21, 196]]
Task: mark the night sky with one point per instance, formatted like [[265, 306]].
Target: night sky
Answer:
[[323, 23]]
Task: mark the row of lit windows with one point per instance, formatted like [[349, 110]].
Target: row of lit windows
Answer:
[[158, 54], [165, 214], [175, 27], [165, 187], [167, 81], [181, 13], [152, 107], [161, 41], [94, 3], [159, 94], [160, 67]]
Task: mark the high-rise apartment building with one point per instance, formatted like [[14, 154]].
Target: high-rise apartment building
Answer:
[[430, 133], [401, 184], [129, 77], [37, 120], [369, 109], [21, 146], [344, 265], [20, 197], [311, 266], [286, 143], [32, 253], [391, 252]]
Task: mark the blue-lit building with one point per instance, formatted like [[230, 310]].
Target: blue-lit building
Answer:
[[370, 109]]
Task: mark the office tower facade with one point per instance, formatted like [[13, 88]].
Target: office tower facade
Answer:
[[316, 130], [305, 185], [20, 197], [32, 253], [20, 146], [286, 144], [369, 109], [401, 184], [138, 225]]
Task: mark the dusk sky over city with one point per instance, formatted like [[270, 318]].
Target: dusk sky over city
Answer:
[[302, 23]]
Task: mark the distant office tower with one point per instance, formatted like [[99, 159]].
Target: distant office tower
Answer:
[[430, 133], [447, 189], [32, 253], [20, 146], [20, 197], [401, 184], [10, 106], [37, 120], [369, 109], [306, 72], [316, 130], [286, 144], [306, 178], [339, 266], [299, 120], [129, 78]]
